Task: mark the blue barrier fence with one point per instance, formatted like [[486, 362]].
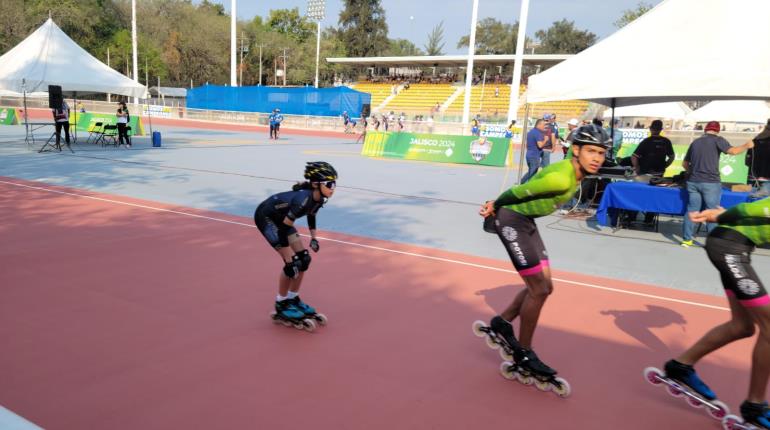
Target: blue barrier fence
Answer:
[[293, 101]]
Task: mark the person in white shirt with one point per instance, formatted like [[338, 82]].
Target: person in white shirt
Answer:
[[123, 118], [62, 119]]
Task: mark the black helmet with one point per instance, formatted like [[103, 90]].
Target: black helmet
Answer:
[[592, 135], [319, 171]]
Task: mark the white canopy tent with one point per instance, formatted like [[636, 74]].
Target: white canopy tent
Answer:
[[49, 57], [679, 50], [740, 111], [670, 110]]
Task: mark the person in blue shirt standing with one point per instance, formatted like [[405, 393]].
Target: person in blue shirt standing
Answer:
[[536, 140], [275, 123]]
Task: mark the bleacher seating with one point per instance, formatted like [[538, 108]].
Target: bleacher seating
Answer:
[[379, 92], [420, 98]]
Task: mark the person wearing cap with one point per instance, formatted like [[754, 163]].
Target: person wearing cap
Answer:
[[551, 139], [275, 123], [536, 139], [704, 185], [566, 143], [654, 154]]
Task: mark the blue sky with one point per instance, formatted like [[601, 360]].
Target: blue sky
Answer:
[[596, 16]]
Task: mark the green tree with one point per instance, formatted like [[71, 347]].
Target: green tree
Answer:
[[563, 38], [291, 23], [211, 7], [631, 14], [402, 47], [493, 37], [363, 29], [436, 40]]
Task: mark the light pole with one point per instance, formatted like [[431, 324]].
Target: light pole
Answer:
[[513, 104], [469, 67], [233, 82], [260, 64], [244, 49], [316, 10], [133, 45]]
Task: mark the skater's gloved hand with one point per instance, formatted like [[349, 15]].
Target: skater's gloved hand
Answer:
[[314, 245], [487, 208]]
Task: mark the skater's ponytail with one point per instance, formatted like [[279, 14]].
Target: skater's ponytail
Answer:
[[302, 186]]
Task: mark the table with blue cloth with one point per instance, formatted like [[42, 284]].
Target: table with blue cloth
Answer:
[[635, 196]]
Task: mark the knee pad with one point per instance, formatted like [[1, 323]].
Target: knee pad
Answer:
[[292, 268], [304, 260]]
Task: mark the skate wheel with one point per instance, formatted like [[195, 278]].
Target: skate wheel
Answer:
[[505, 355], [720, 412], [561, 387], [492, 343], [321, 318], [308, 325], [674, 390], [524, 379], [695, 403], [477, 326], [653, 375], [732, 422], [506, 369], [543, 385]]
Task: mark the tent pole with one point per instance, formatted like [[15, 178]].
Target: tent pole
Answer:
[[75, 131], [612, 130], [523, 144], [26, 121]]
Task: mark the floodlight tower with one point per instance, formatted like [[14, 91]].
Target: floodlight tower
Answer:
[[316, 10]]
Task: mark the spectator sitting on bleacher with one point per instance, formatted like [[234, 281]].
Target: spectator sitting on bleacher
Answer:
[[375, 123]]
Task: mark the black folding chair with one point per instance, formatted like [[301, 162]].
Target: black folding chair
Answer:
[[96, 130], [109, 133]]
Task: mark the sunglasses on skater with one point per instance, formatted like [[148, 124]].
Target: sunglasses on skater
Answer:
[[329, 184]]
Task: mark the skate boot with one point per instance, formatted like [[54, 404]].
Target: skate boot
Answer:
[[528, 369], [528, 361], [756, 414], [288, 314], [498, 335], [504, 331], [686, 375], [681, 380], [308, 311]]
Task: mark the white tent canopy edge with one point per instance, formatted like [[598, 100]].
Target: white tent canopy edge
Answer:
[[49, 57], [679, 50]]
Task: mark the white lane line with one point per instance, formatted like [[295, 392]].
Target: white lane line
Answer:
[[377, 248], [11, 421]]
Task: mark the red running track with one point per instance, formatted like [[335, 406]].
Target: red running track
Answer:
[[117, 313]]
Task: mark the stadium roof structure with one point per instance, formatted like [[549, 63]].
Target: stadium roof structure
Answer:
[[449, 60], [49, 57], [679, 50]]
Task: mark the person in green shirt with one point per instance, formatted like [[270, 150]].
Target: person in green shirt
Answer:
[[729, 246], [512, 217]]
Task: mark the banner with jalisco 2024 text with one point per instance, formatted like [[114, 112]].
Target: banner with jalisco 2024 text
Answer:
[[487, 151], [87, 121]]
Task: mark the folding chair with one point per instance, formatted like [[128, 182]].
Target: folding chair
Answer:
[[96, 130], [110, 131]]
